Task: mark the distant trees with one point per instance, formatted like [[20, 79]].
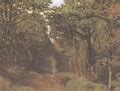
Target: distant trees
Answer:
[[22, 34], [24, 40]]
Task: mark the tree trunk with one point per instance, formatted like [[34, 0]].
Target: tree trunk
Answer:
[[110, 78], [77, 57]]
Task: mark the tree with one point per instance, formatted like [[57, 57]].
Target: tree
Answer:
[[90, 25]]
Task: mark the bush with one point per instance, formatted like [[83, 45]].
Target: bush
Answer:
[[84, 85]]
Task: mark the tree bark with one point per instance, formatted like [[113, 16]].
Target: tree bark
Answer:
[[110, 78]]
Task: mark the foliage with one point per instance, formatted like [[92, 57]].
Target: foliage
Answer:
[[84, 37]]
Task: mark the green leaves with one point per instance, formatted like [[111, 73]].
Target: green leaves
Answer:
[[42, 1]]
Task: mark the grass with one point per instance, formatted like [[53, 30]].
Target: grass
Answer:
[[82, 84]]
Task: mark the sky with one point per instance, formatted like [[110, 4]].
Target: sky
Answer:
[[57, 3]]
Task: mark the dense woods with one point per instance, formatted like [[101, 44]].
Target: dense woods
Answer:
[[80, 37]]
